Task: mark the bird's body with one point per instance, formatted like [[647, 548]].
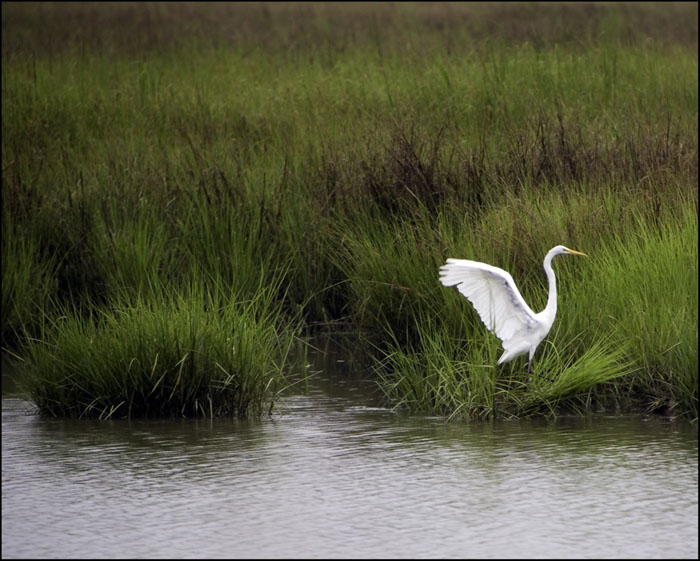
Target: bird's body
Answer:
[[500, 305]]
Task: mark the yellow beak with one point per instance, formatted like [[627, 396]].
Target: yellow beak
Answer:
[[575, 252]]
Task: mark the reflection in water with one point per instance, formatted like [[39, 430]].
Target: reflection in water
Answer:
[[331, 477]]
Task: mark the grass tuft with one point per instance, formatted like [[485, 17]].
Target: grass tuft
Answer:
[[203, 354]]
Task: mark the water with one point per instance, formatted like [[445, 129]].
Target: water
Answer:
[[331, 476]]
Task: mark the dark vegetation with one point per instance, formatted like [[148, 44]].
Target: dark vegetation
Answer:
[[189, 188]]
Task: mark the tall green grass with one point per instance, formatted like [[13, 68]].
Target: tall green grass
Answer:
[[28, 282], [458, 377], [320, 161], [201, 353], [629, 310], [645, 288]]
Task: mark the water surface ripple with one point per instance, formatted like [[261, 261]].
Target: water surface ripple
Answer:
[[330, 478]]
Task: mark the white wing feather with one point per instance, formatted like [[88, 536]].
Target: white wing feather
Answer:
[[493, 294]]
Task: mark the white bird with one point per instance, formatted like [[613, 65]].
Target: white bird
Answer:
[[500, 305]]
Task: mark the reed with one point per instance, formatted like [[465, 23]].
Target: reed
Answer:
[[201, 354], [322, 160], [27, 285], [630, 311], [645, 289], [458, 378]]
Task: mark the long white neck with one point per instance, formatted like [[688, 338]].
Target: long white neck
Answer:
[[551, 310]]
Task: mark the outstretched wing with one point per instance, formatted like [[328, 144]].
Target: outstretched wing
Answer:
[[493, 294]]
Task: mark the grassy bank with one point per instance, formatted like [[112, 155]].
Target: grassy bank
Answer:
[[308, 164], [192, 353]]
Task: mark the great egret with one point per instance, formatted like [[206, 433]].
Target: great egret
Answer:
[[501, 306]]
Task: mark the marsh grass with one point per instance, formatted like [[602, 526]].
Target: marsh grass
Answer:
[[204, 354], [647, 285], [440, 375], [27, 284], [321, 161], [458, 377], [629, 310]]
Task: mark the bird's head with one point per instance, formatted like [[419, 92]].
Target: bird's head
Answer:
[[562, 250]]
